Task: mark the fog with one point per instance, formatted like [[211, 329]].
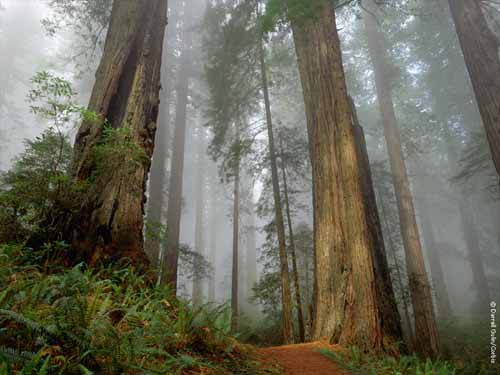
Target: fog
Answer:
[[452, 178]]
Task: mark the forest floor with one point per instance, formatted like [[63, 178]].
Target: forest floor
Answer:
[[302, 359]]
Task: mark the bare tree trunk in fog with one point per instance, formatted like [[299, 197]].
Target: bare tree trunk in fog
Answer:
[[126, 94], [213, 235], [199, 234], [467, 221], [480, 47], [286, 296], [426, 333], [474, 257], [174, 208], [251, 251], [406, 321], [158, 177], [470, 232], [298, 298], [242, 285], [444, 310], [236, 238], [349, 302]]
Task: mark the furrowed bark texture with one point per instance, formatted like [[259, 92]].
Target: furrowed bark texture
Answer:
[[348, 309], [126, 94], [286, 297], [426, 334], [481, 52], [385, 291]]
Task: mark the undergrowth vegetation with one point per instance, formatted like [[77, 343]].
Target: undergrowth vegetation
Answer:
[[469, 357], [108, 321]]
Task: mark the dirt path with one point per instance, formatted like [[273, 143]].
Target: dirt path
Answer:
[[302, 359]]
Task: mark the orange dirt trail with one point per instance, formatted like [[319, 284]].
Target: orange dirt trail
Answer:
[[301, 359]]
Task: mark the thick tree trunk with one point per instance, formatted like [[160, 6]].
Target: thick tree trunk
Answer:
[[199, 240], [291, 240], [481, 51], [236, 239], [349, 306], [286, 297], [382, 273], [171, 252], [427, 339], [126, 95]]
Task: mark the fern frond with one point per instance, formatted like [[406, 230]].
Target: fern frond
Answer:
[[45, 331]]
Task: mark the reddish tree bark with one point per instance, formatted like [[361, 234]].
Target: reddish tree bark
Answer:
[[349, 308], [481, 52], [126, 95]]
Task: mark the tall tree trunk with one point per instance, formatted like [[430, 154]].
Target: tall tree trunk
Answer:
[[481, 51], [474, 257], [286, 296], [390, 308], [444, 310], [126, 95], [213, 235], [467, 222], [199, 234], [427, 339], [236, 238], [469, 230], [307, 298], [406, 321], [171, 252], [156, 199], [348, 297], [251, 251], [291, 240]]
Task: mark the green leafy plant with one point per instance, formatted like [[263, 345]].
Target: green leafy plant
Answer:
[[118, 147], [107, 321], [359, 362]]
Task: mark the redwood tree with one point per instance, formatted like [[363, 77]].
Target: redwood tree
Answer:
[[426, 334], [126, 98], [480, 48], [286, 298], [170, 259], [350, 298]]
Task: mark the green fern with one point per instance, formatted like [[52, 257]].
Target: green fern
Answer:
[[46, 332]]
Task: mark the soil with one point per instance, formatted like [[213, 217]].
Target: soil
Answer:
[[302, 359]]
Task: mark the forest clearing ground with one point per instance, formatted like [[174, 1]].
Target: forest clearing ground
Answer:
[[302, 359]]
